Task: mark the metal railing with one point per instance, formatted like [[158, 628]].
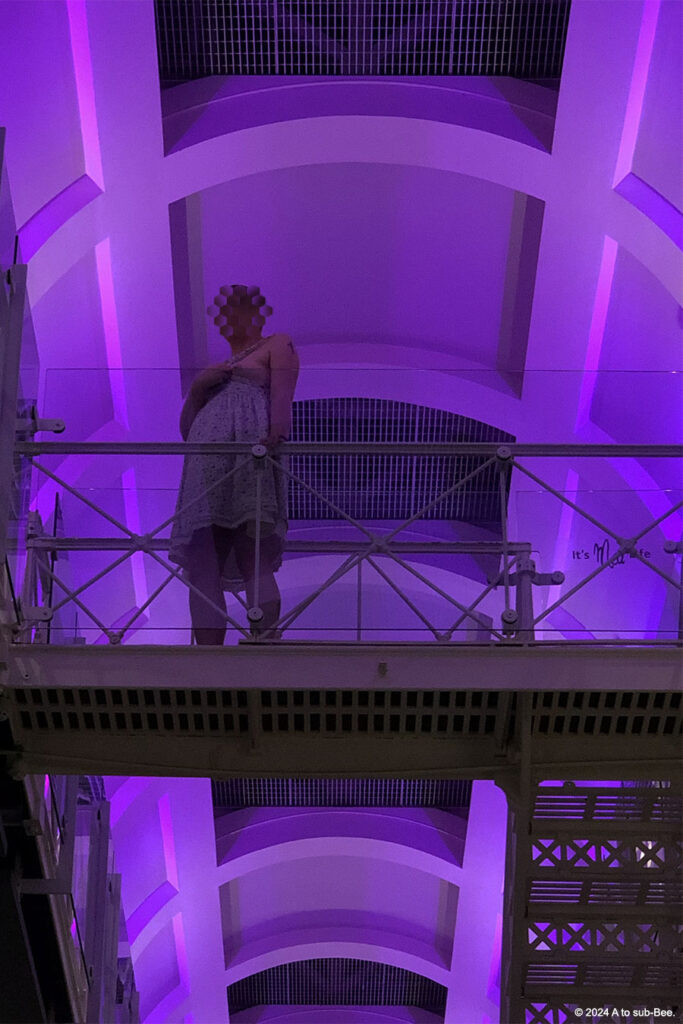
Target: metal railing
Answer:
[[502, 610], [52, 805]]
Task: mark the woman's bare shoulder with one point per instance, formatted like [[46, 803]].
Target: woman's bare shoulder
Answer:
[[280, 344], [280, 340]]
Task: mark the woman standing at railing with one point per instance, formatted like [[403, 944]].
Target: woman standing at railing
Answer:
[[247, 398]]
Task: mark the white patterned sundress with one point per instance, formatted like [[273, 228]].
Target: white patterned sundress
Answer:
[[239, 412]]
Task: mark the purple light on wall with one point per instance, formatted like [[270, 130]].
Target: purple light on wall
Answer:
[[639, 193], [112, 342], [50, 217], [130, 503], [181, 951], [652, 497], [636, 96], [149, 908], [564, 530], [596, 333], [167, 840], [85, 91], [125, 796], [653, 205], [493, 988], [110, 327]]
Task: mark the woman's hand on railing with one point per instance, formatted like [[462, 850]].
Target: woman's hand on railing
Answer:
[[278, 432]]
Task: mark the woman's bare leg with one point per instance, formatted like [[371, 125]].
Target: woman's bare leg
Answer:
[[269, 592], [210, 548]]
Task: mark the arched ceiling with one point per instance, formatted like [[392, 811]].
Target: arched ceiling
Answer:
[[476, 262]]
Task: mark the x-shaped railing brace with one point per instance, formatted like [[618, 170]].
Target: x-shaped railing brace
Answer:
[[518, 621]]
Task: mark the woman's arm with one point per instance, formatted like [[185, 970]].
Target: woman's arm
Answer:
[[284, 372], [198, 393], [188, 414]]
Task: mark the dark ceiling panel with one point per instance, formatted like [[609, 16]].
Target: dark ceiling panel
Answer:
[[521, 38]]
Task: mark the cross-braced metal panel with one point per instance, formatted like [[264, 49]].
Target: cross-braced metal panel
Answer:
[[523, 38], [337, 981], [600, 872], [390, 487], [446, 794]]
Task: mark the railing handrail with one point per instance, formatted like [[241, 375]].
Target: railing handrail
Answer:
[[441, 547], [571, 450]]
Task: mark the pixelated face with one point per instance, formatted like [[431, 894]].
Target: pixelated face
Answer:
[[239, 312]]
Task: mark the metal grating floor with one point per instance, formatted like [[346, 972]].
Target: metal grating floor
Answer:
[[380, 713], [337, 981], [612, 713], [523, 38], [231, 712], [381, 487]]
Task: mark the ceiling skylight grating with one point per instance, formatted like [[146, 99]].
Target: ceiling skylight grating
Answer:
[[522, 38], [450, 794], [337, 981], [397, 486]]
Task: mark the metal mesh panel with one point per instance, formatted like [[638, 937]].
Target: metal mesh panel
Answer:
[[451, 794], [390, 487], [522, 38], [337, 981]]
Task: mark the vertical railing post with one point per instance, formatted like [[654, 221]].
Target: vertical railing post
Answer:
[[96, 909], [12, 297], [67, 827], [673, 548], [255, 613], [509, 616], [111, 942], [525, 572]]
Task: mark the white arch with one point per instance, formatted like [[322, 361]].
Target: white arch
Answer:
[[358, 139], [274, 852], [291, 951]]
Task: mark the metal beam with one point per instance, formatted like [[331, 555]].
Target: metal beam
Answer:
[[173, 755], [502, 666]]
